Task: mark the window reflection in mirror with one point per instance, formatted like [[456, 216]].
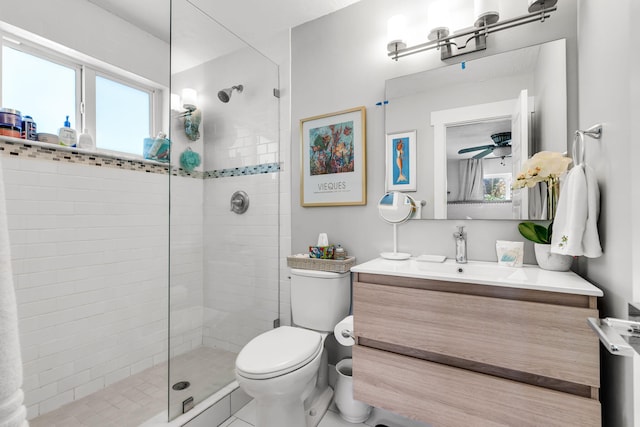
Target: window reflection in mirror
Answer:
[[521, 91], [396, 207]]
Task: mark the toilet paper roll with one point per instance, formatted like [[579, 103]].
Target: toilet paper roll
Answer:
[[344, 332]]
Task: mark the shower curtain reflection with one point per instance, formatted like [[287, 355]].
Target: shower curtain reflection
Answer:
[[471, 179]]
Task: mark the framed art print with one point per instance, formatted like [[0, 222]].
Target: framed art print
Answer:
[[333, 160], [401, 161]]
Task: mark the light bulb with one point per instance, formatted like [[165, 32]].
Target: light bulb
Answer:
[[396, 26], [486, 12], [438, 20], [189, 99], [176, 105]]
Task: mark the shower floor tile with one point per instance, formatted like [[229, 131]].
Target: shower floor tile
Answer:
[[133, 400]]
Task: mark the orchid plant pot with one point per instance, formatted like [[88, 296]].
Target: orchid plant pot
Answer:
[[550, 261]]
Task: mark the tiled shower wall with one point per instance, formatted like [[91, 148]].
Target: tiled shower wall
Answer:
[[90, 248], [241, 261], [241, 143]]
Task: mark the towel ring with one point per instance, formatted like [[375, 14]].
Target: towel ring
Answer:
[[577, 151]]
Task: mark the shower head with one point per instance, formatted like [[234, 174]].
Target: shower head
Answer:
[[225, 94]]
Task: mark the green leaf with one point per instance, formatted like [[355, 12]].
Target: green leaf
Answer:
[[535, 232]]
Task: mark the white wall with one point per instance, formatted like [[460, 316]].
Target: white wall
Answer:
[[338, 62], [89, 251], [608, 83]]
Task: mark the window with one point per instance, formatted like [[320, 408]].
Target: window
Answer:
[[27, 87], [122, 116], [118, 111], [497, 187]]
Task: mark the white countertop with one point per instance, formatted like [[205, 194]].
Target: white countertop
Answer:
[[483, 273]]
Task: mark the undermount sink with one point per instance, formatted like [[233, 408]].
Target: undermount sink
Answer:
[[483, 273]]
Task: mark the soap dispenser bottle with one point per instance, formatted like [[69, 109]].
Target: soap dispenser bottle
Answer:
[[67, 135]]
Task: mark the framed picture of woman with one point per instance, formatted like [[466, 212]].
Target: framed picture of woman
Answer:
[[401, 161]]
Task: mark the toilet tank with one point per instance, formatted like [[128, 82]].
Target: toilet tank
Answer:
[[319, 299]]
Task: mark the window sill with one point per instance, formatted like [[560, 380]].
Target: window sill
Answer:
[[76, 150], [24, 149]]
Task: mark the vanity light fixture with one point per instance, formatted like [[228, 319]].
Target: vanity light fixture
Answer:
[[191, 114], [468, 40]]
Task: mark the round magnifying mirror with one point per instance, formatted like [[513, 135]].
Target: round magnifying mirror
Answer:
[[396, 208]]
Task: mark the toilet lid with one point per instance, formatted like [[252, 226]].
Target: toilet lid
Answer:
[[277, 352]]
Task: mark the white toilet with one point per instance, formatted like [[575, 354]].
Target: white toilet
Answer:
[[285, 369]]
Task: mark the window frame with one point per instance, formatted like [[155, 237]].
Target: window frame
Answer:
[[47, 55], [507, 177], [86, 73]]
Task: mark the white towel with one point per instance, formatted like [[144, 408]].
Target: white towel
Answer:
[[575, 229], [12, 410], [591, 239]]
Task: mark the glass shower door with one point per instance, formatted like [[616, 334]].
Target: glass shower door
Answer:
[[224, 281]]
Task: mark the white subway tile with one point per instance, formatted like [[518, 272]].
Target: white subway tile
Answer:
[[57, 401], [117, 375], [40, 394], [56, 373], [88, 388], [74, 380]]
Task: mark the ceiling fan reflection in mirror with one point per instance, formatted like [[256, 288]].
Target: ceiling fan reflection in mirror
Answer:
[[501, 146]]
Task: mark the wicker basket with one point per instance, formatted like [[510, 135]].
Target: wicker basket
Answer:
[[333, 265]]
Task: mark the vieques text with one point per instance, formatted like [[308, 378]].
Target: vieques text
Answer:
[[331, 187]]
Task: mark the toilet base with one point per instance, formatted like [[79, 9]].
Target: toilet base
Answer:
[[316, 405]]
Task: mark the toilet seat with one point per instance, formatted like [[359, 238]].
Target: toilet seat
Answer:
[[278, 352]]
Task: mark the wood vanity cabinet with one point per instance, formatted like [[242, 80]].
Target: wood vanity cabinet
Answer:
[[460, 354]]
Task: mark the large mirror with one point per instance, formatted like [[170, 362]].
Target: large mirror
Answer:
[[476, 123]]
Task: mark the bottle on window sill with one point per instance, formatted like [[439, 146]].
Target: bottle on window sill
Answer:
[[67, 135], [85, 141]]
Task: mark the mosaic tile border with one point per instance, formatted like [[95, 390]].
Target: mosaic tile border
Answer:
[[246, 170], [38, 150]]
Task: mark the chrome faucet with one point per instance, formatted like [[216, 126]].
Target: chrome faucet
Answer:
[[461, 245]]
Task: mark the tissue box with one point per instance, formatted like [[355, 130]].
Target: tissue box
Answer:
[[322, 252]]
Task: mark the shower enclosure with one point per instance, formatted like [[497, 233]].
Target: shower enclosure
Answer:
[[135, 280], [224, 264]]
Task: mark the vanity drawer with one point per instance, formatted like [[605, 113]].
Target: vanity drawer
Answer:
[[445, 396], [538, 343]]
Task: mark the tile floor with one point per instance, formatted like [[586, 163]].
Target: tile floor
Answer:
[[246, 417], [132, 401], [143, 397]]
